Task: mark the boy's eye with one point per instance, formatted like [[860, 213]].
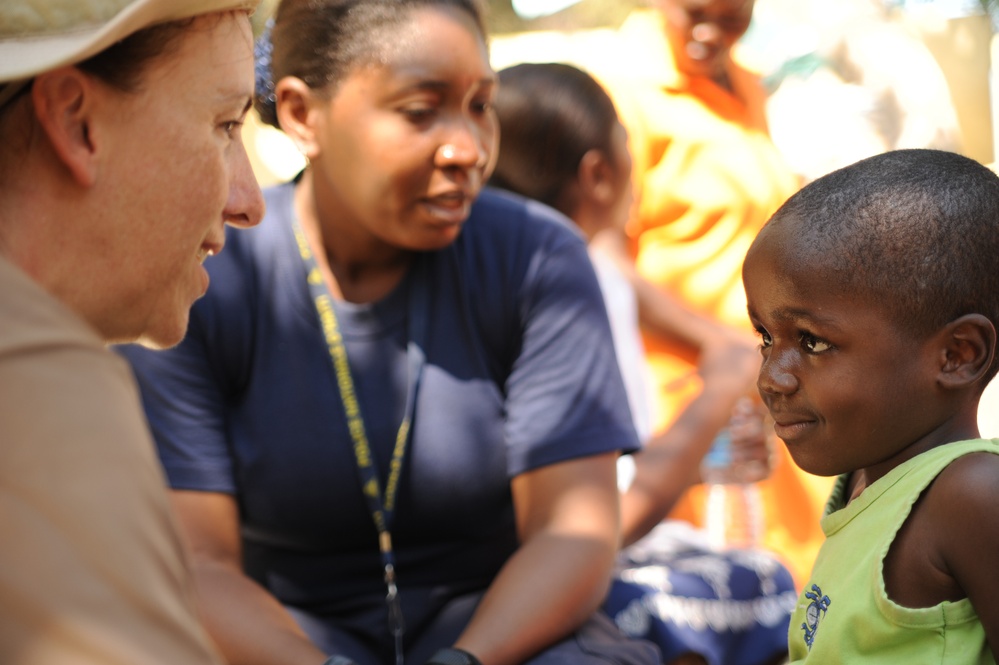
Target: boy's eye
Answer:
[[765, 339], [813, 344]]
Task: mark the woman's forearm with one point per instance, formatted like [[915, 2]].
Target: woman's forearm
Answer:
[[545, 591], [247, 623], [568, 522]]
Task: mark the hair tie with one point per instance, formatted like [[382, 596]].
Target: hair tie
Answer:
[[266, 100]]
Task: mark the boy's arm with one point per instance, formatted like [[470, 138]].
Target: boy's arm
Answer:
[[963, 502]]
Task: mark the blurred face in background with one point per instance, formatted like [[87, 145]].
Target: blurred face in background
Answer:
[[701, 33], [621, 159]]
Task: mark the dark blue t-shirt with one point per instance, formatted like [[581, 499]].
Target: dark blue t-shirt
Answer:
[[520, 373]]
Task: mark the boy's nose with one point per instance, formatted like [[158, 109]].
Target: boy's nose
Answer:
[[776, 378]]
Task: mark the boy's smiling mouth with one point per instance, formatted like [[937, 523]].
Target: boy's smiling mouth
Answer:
[[791, 426]]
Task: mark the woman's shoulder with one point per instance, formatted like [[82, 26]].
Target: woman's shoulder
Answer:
[[500, 206], [504, 218]]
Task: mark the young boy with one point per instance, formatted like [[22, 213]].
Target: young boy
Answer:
[[875, 292]]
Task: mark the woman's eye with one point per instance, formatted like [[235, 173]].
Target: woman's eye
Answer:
[[813, 344], [482, 107], [418, 113], [231, 127]]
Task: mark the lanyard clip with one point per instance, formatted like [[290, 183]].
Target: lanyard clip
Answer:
[[396, 624], [395, 621]]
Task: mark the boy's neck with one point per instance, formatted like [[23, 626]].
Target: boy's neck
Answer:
[[961, 428], [855, 484]]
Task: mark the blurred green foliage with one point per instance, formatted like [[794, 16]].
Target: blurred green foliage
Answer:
[[991, 8]]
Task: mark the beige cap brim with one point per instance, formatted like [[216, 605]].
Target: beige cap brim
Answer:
[[23, 58]]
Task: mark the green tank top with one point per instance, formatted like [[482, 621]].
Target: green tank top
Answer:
[[843, 614]]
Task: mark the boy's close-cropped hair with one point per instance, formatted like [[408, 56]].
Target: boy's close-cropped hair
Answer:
[[918, 230]]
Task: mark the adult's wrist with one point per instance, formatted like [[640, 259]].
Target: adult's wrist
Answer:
[[452, 656]]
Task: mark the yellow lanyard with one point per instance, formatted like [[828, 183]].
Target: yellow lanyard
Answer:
[[382, 506]]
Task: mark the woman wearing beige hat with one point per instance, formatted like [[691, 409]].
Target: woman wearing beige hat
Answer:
[[120, 164]]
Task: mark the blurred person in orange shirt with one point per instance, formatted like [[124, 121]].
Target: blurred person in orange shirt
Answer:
[[707, 177]]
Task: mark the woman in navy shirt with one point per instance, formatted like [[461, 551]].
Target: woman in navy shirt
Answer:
[[392, 429]]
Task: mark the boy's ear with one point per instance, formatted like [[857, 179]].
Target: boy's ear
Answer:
[[969, 345], [63, 102], [596, 177], [296, 113]]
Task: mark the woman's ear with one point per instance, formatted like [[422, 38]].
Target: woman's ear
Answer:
[[63, 102], [968, 348], [296, 102]]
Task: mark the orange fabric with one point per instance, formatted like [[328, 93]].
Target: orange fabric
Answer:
[[707, 178]]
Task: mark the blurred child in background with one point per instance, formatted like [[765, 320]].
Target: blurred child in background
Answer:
[[563, 145]]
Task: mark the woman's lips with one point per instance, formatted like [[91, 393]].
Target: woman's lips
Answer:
[[452, 208]]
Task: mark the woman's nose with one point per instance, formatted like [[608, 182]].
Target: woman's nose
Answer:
[[466, 147], [245, 205]]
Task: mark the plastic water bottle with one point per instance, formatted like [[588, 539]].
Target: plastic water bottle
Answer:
[[734, 511]]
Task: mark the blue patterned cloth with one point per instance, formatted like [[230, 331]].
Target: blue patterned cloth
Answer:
[[732, 607]]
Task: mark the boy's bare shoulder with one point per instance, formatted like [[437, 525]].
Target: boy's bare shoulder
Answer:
[[947, 547], [966, 486], [962, 505], [965, 510]]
